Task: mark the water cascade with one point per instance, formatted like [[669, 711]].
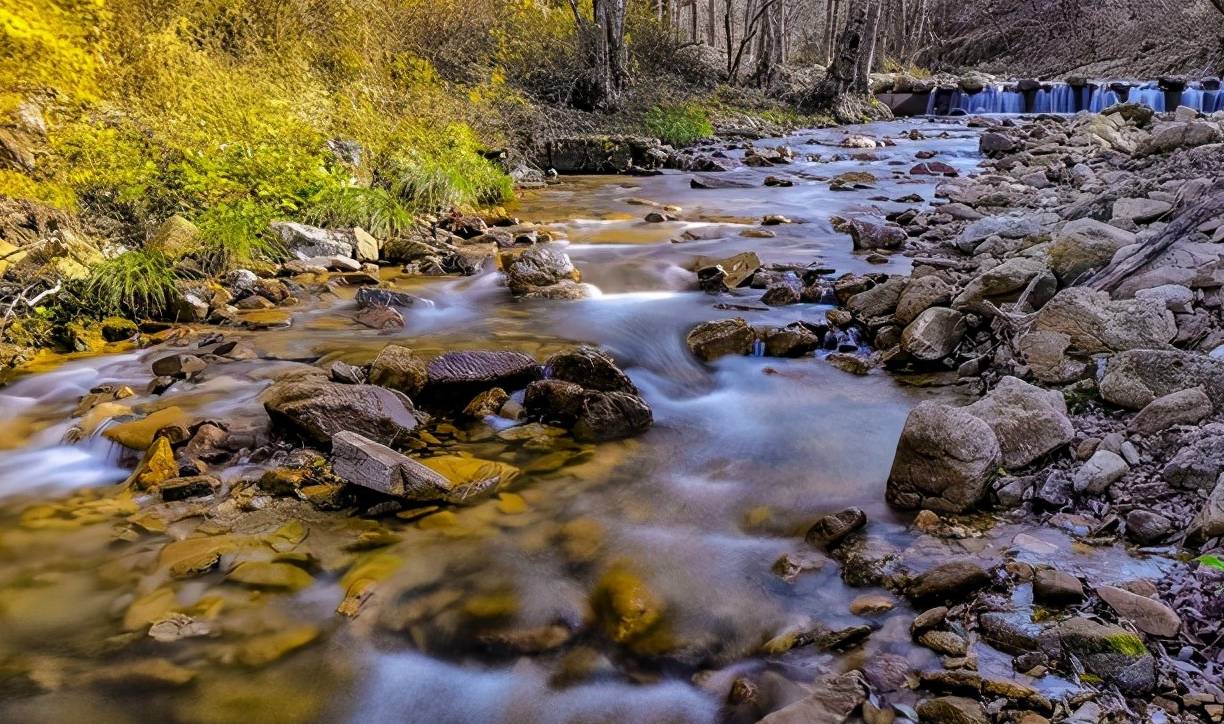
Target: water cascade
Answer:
[[1099, 98], [1063, 98], [992, 99], [1149, 95], [1058, 99]]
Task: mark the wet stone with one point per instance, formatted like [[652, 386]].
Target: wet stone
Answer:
[[189, 487], [456, 377], [948, 581], [1053, 587], [831, 529]]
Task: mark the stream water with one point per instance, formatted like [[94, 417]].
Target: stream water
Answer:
[[744, 454]]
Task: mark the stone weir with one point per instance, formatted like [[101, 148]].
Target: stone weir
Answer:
[[971, 95]]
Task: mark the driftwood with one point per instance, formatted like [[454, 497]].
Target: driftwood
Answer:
[[1116, 272]]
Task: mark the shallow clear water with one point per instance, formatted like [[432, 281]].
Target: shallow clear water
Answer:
[[744, 455]]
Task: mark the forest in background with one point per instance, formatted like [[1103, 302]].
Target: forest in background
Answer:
[[231, 113]]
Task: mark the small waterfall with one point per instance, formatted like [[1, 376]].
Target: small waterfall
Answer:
[[992, 99], [932, 97], [1193, 98], [1149, 95], [1059, 98], [1101, 99]]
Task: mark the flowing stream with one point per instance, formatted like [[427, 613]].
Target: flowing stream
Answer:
[[744, 454]]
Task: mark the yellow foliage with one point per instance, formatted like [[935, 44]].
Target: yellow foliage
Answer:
[[49, 44]]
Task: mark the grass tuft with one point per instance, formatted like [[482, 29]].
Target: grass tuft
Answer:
[[138, 283], [679, 125], [237, 234], [373, 209]]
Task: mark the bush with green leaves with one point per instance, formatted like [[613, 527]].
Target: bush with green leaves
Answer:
[[237, 234], [679, 125]]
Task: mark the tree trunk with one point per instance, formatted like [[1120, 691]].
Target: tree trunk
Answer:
[[845, 90], [607, 55], [712, 24]]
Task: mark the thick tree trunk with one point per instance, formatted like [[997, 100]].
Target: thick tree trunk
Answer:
[[846, 88], [607, 56]]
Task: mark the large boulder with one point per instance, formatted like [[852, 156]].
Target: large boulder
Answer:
[[590, 368], [1004, 282], [1027, 420], [1199, 462], [543, 272], [1172, 136], [454, 378], [1184, 407], [1192, 264], [1097, 324], [934, 334], [1046, 355], [1140, 211], [944, 460], [361, 461], [1085, 244], [608, 416], [1136, 378], [317, 410], [867, 235], [920, 295], [1148, 614], [1210, 520], [1006, 227], [307, 242], [879, 300], [710, 340]]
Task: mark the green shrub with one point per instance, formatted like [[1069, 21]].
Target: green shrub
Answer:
[[374, 209], [679, 125], [434, 169], [237, 234], [138, 283]]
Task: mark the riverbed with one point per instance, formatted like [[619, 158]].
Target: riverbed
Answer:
[[481, 613]]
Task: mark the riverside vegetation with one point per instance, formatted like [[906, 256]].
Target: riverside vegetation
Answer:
[[533, 361]]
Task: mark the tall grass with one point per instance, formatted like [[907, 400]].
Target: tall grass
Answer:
[[374, 209], [680, 124], [234, 235], [138, 283]]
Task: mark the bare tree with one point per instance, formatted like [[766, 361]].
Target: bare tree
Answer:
[[845, 90], [603, 39]]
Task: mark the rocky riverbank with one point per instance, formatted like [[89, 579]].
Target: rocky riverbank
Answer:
[[1074, 282]]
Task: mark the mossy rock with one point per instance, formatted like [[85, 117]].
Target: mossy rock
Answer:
[[118, 329], [175, 237], [626, 607]]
